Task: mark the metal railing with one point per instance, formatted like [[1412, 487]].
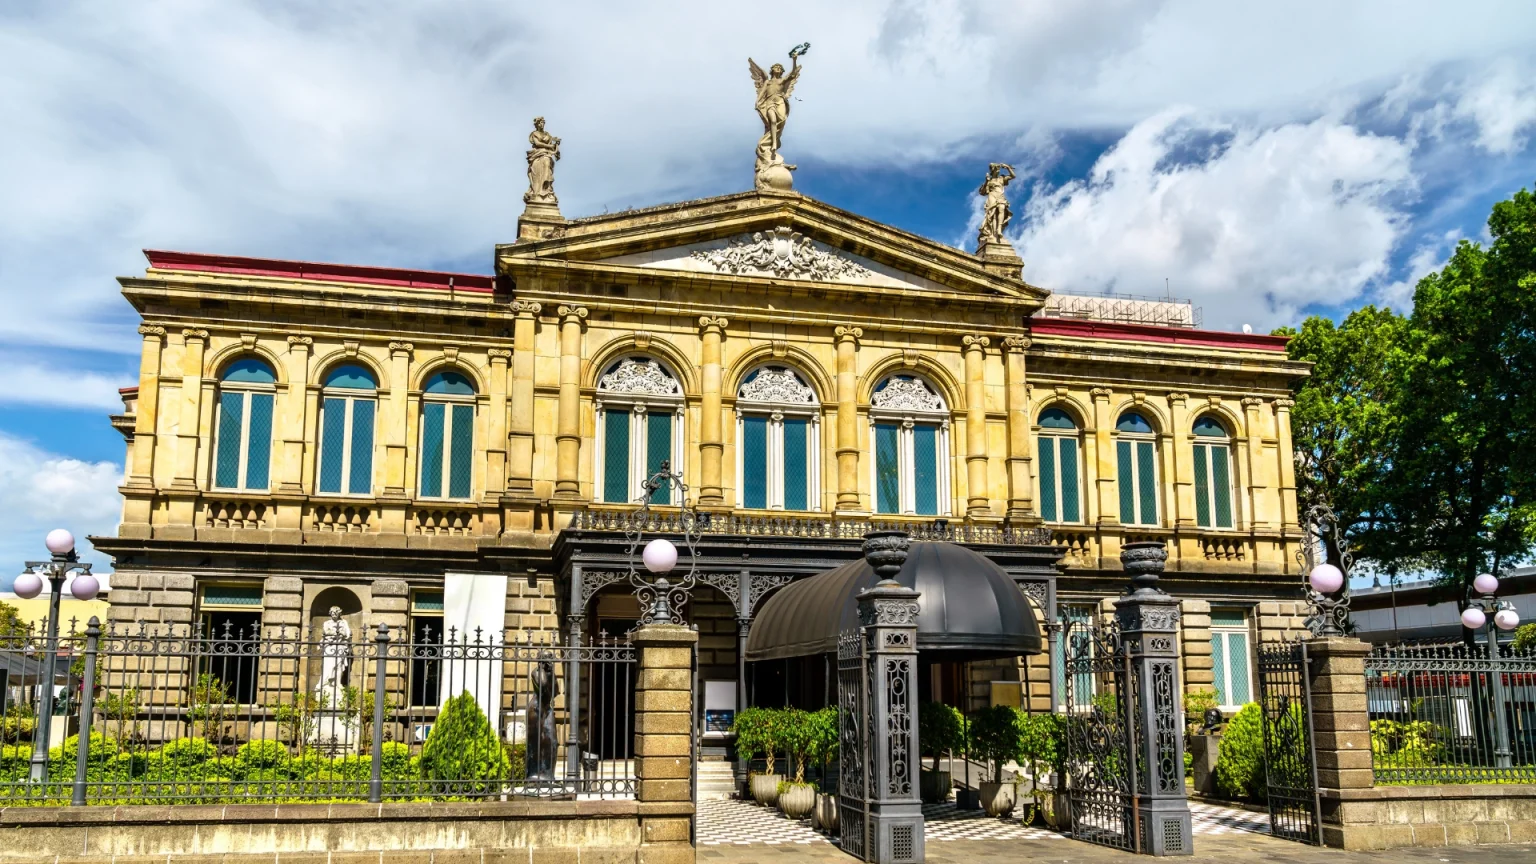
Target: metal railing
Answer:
[[1451, 714], [174, 713], [808, 525]]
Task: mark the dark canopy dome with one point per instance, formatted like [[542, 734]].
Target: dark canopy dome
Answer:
[[969, 608]]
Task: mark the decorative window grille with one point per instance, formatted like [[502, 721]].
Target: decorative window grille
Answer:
[[243, 425], [778, 434], [639, 426], [1060, 477], [1213, 476], [910, 432], [347, 408], [1136, 452], [1231, 658], [447, 436]]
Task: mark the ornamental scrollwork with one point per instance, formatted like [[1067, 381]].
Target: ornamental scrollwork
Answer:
[[728, 584], [760, 584], [777, 384], [640, 376], [151, 330], [783, 253], [526, 307], [593, 582], [1017, 343], [893, 613], [906, 393]]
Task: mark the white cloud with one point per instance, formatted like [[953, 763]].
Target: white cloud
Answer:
[[1277, 219], [1502, 103], [40, 491], [37, 384]]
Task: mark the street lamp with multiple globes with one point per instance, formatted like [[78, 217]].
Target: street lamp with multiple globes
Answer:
[[1327, 584], [1492, 615], [61, 544], [661, 599]]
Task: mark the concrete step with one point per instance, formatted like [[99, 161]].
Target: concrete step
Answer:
[[716, 780]]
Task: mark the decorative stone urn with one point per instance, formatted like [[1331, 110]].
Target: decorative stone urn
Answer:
[[765, 788], [797, 800], [826, 812], [997, 799], [1143, 562], [886, 551], [935, 786]]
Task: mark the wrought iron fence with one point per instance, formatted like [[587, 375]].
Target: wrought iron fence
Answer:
[[173, 713], [1451, 714]]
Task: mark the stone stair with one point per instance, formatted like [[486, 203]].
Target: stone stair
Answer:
[[717, 779]]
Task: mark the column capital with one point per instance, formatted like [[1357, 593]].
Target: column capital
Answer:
[[848, 333], [1252, 402], [1284, 404], [152, 331], [302, 342], [193, 334], [526, 308], [1101, 393], [499, 355], [1017, 344], [1177, 398], [399, 349], [718, 325], [572, 314], [976, 343]]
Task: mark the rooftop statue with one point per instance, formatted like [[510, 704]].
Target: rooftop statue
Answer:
[[996, 214], [543, 153], [773, 92]]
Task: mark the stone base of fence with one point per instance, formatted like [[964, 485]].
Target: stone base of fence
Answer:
[[1386, 817]]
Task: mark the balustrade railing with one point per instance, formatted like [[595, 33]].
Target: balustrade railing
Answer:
[[807, 526]]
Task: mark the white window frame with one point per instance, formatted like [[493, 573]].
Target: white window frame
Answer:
[[447, 399], [906, 421], [1245, 630], [776, 411], [245, 389], [639, 407], [350, 395], [1135, 479], [1082, 504]]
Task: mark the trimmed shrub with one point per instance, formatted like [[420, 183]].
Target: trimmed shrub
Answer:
[[259, 755], [1240, 764], [939, 728], [995, 737], [186, 752], [462, 753]]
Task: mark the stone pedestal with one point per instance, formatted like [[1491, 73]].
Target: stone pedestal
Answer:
[[1205, 749], [664, 742]]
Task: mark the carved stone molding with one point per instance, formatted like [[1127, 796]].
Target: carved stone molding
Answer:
[[300, 341], [503, 354], [1285, 403], [910, 357], [1017, 343], [526, 308], [977, 343], [1101, 392], [1252, 402], [849, 334], [349, 348], [1177, 398], [706, 323], [907, 394], [192, 334], [779, 348], [642, 340], [891, 613], [570, 313], [248, 341], [777, 384], [782, 253], [398, 348], [640, 376], [153, 330]]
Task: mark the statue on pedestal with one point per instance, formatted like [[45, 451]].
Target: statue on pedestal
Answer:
[[335, 658], [773, 91], [995, 211], [543, 153]]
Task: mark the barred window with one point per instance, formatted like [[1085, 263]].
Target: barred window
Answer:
[[447, 436], [1060, 479], [347, 409], [243, 425]]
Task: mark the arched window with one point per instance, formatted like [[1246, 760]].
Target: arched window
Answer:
[[910, 427], [1213, 476], [347, 407], [1060, 492], [1136, 449], [639, 426], [243, 452], [447, 435], [778, 437]]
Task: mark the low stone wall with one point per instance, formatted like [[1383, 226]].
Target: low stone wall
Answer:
[[1385, 817], [514, 832]]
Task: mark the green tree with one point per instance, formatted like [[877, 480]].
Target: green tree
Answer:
[[12, 628], [462, 754]]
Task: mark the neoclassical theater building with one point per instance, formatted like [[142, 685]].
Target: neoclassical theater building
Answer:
[[434, 450]]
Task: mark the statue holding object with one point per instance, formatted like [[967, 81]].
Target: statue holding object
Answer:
[[995, 211], [773, 91]]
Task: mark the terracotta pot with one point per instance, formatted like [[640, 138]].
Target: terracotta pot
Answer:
[[935, 786], [765, 788], [998, 798], [797, 800], [826, 812]]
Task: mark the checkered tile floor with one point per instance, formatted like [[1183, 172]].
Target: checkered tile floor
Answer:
[[728, 822]]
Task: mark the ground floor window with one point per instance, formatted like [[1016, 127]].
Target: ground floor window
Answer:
[[1077, 635], [426, 642], [230, 617], [1230, 658]]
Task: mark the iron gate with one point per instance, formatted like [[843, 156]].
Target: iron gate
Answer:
[[1290, 763], [852, 750], [1101, 736]]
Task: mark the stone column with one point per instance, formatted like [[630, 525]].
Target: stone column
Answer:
[[1258, 511], [976, 425], [139, 490], [848, 418], [524, 351], [568, 430], [290, 466], [1149, 627], [1286, 467], [1341, 735], [711, 437], [397, 425], [664, 742], [1021, 487], [496, 424], [1183, 467], [1104, 458], [194, 343]]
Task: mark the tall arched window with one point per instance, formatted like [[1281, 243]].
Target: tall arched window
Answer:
[[243, 453], [447, 435], [1136, 450], [639, 426], [347, 408], [778, 437], [1213, 476], [910, 427], [1060, 498]]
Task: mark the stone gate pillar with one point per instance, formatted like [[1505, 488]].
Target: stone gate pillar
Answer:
[[888, 617], [664, 742], [1149, 626]]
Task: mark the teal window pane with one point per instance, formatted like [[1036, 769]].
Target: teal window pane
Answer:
[[1048, 479], [450, 384], [1127, 477], [1223, 487], [249, 370], [232, 595], [462, 451], [350, 376], [433, 414], [333, 439], [360, 479], [226, 471], [1228, 618], [925, 469], [1070, 505], [797, 473], [1148, 484], [1219, 664], [1237, 668], [658, 449], [754, 461], [616, 456], [887, 480], [258, 457], [1080, 638], [1202, 487]]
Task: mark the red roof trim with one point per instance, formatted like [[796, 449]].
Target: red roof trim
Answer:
[[123, 391], [237, 265], [1150, 333]]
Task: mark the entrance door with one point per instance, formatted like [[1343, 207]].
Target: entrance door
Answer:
[[1290, 766]]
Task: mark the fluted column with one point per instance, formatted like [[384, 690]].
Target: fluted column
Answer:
[[848, 417], [195, 343], [496, 423], [397, 425], [976, 425], [1021, 489], [1183, 461], [1286, 467], [711, 435], [147, 411], [1104, 457], [520, 445], [1258, 515], [290, 469], [568, 430]]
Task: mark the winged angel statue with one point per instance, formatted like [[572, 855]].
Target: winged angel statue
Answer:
[[773, 92]]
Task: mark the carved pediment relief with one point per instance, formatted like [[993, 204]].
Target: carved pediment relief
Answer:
[[639, 376]]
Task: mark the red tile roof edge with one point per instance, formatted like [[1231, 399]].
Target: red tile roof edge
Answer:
[[1153, 333], [242, 266]]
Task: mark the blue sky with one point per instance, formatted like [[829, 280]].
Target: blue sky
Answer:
[[1267, 161]]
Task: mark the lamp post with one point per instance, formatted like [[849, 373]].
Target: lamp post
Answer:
[[1491, 615], [661, 599], [1327, 584], [61, 544]]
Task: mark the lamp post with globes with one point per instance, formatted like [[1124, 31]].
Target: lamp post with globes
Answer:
[[1491, 615], [661, 599], [1327, 584], [28, 585]]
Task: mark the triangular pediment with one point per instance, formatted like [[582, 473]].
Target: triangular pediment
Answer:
[[781, 237]]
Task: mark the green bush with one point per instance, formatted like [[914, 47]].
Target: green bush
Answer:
[[1405, 744], [517, 759], [995, 735], [186, 752], [1196, 703], [939, 729], [397, 758], [1525, 637], [258, 755], [825, 735], [1240, 764], [307, 764], [758, 733], [463, 753], [100, 749]]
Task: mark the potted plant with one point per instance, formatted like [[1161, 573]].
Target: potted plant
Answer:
[[757, 735], [796, 797], [1039, 740], [995, 738], [938, 732], [824, 743]]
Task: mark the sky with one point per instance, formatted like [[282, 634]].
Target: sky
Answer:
[[1266, 160]]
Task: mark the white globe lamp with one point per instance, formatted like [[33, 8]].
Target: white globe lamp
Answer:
[[1473, 618], [28, 585], [1326, 578], [660, 556], [60, 542], [84, 587], [1485, 583], [1506, 619]]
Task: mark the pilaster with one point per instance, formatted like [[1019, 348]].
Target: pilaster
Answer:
[[292, 432], [189, 414], [976, 503], [520, 443], [1107, 500], [1183, 468], [139, 490], [1256, 468], [848, 418], [663, 740], [1021, 487], [496, 424], [711, 436], [397, 431], [1285, 467], [568, 430]]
